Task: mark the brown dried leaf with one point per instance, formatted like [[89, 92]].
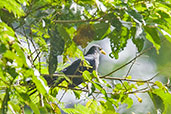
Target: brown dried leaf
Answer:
[[85, 34]]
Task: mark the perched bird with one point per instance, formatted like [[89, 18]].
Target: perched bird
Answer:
[[77, 67]]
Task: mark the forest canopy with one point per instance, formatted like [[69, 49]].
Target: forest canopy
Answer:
[[35, 33]]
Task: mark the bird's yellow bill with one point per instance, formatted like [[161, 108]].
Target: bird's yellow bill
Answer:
[[103, 52]]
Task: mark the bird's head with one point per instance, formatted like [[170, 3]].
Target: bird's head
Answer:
[[96, 49]]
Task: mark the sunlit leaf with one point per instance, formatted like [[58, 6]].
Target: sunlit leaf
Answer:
[[42, 88], [86, 75], [153, 37], [77, 94], [161, 100], [100, 88], [129, 102]]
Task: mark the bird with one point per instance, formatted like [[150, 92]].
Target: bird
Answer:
[[77, 68]]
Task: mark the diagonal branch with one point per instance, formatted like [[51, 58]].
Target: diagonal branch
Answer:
[[128, 62], [130, 68]]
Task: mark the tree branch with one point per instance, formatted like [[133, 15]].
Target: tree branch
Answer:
[[106, 77], [130, 68], [128, 62], [78, 21], [143, 90]]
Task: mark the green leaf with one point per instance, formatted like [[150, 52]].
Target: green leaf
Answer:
[[20, 59], [40, 85], [77, 94], [12, 72], [118, 40], [166, 34], [10, 55], [5, 101], [25, 98], [34, 108], [12, 6], [78, 109], [160, 85], [64, 34], [92, 90], [115, 22], [135, 15], [129, 102], [153, 37], [163, 13], [86, 75], [2, 48], [101, 89], [101, 30], [161, 100], [157, 101], [108, 106], [72, 51], [54, 91], [52, 62], [15, 107], [138, 37]]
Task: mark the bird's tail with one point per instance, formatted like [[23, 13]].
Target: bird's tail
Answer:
[[52, 82]]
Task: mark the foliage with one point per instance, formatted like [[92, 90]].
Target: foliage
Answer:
[[28, 27]]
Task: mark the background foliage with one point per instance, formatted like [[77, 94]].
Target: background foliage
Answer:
[[35, 31]]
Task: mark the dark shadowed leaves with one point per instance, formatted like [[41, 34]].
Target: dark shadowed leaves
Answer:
[[5, 101], [157, 101], [161, 100], [135, 15], [138, 37], [101, 30], [118, 40], [56, 48]]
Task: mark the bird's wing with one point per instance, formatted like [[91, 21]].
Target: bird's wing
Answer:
[[70, 70], [76, 68], [73, 68]]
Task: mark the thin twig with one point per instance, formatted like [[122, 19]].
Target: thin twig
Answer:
[[123, 85], [153, 77], [37, 56], [106, 77], [137, 91], [133, 62], [128, 62], [62, 96], [143, 90], [78, 21], [124, 79]]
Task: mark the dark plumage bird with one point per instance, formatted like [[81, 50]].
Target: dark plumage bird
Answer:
[[77, 68]]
